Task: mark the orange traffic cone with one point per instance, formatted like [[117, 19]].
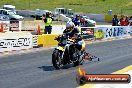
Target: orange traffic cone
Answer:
[[38, 31]]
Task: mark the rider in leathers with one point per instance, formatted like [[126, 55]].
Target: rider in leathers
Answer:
[[73, 32]]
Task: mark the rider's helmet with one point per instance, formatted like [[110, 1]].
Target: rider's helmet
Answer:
[[70, 25]]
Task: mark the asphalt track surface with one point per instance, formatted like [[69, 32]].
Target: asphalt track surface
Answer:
[[35, 70]]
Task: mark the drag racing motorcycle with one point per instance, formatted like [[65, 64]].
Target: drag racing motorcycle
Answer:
[[67, 52]]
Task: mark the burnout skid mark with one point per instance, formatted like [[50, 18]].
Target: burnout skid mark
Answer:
[[9, 43]]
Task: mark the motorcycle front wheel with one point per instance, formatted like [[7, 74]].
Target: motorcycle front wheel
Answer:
[[56, 59]]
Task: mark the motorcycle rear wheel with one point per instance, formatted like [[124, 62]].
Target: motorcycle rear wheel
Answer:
[[77, 62]]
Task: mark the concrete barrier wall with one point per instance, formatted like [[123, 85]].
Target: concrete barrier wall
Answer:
[[90, 33], [24, 40], [108, 18], [47, 40], [10, 41]]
